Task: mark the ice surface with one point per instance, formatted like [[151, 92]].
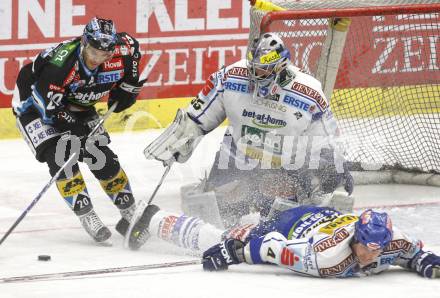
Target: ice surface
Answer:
[[51, 228]]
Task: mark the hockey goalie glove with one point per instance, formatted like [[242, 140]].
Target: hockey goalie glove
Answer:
[[426, 264], [221, 255], [177, 142]]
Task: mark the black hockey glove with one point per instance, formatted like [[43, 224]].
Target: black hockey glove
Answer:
[[426, 264], [65, 120], [221, 255], [125, 95]]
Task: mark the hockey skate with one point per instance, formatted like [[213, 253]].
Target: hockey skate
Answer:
[[124, 222], [127, 213], [95, 227]]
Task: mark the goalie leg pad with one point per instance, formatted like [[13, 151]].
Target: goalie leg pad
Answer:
[[198, 203]]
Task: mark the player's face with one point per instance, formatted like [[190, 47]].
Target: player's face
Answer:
[[94, 57], [364, 254], [262, 73]]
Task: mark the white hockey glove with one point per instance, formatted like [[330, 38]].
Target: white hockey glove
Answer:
[[177, 142]]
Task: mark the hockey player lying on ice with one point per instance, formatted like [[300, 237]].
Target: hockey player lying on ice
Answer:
[[309, 240]]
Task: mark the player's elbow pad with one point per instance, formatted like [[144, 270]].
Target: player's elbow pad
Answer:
[[264, 249]]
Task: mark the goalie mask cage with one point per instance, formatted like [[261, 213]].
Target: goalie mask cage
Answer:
[[379, 64]]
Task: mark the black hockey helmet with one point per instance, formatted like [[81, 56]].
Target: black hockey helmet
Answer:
[[100, 34]]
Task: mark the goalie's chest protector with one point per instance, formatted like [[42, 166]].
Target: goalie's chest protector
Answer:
[[263, 122]]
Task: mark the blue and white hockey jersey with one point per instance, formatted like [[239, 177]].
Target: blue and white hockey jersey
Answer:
[[316, 241]]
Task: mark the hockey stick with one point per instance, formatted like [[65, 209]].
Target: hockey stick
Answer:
[[60, 275], [142, 205], [165, 173], [55, 177]]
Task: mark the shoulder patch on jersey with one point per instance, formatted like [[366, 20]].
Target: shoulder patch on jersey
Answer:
[[236, 86], [398, 245], [240, 72], [109, 76], [339, 222], [310, 93], [331, 241], [63, 53]]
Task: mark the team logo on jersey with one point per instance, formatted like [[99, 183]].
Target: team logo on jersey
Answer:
[[113, 64], [288, 257], [297, 103], [398, 245], [263, 91], [240, 72], [109, 77], [339, 222], [311, 94], [89, 97], [298, 115], [264, 120], [339, 268], [387, 260], [310, 221], [257, 141], [63, 52], [238, 87], [327, 243], [269, 104]]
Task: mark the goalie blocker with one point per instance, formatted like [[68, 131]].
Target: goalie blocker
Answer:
[[177, 142]]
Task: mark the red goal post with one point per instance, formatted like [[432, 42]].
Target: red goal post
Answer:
[[379, 63]]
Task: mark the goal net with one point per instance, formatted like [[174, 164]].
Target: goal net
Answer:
[[379, 63]]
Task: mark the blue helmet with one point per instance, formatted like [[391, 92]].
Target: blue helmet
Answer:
[[373, 229], [100, 34]]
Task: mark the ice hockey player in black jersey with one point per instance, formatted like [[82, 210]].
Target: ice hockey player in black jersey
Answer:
[[54, 103]]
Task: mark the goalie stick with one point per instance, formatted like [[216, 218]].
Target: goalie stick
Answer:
[[55, 177], [141, 207], [60, 275]]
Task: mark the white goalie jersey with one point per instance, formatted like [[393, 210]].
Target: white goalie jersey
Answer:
[[263, 125]]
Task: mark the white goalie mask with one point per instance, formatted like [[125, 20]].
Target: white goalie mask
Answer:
[[266, 59]]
